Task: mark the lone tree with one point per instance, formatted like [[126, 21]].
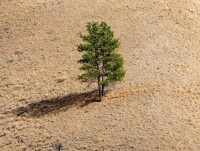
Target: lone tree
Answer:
[[100, 61]]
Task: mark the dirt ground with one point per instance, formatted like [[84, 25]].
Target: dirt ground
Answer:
[[156, 107]]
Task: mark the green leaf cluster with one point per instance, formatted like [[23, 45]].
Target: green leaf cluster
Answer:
[[100, 59]]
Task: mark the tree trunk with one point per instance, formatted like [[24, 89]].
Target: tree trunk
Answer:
[[102, 89], [98, 81], [103, 74], [99, 89], [101, 97]]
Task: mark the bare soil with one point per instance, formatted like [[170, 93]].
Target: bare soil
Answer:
[[156, 107]]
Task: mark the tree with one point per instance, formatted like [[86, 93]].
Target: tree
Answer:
[[100, 61]]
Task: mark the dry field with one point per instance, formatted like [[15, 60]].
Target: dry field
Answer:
[[156, 107]]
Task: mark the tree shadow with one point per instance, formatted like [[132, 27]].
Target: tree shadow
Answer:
[[55, 105]]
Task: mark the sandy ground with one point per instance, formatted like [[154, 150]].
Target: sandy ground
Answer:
[[156, 107]]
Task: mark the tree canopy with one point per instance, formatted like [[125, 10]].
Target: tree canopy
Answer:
[[100, 61]]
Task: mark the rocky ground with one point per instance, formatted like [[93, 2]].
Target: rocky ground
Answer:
[[156, 107]]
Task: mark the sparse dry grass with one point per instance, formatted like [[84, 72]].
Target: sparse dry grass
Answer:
[[156, 107]]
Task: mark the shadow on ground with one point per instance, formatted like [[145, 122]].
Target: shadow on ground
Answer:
[[57, 104]]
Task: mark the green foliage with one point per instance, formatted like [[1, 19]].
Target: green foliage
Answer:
[[100, 61]]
